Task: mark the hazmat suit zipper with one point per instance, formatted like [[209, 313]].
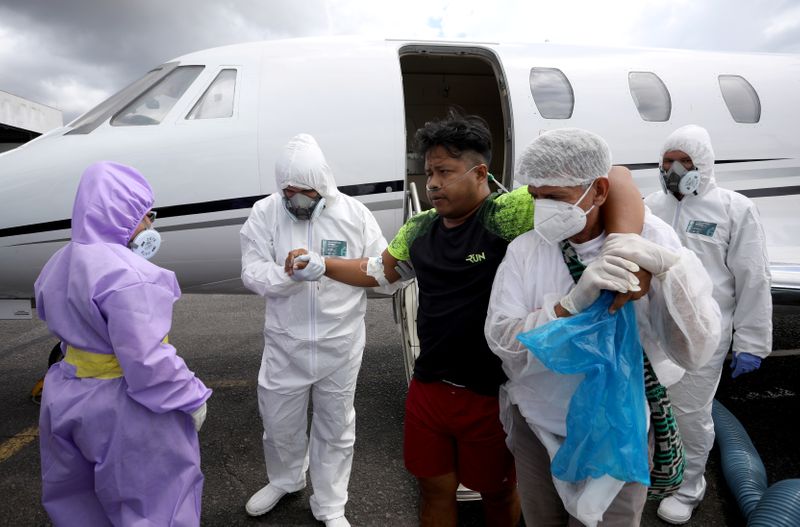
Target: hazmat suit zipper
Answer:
[[677, 215], [312, 310]]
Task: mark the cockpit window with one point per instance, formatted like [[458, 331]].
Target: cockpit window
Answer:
[[217, 101], [740, 98], [151, 106], [650, 95], [100, 113]]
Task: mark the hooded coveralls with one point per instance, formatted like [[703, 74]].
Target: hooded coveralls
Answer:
[[678, 327], [313, 331], [118, 445], [723, 229]]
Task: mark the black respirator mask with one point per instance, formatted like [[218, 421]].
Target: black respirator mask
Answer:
[[301, 207], [679, 180]]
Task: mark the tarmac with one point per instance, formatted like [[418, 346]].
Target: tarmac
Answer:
[[220, 337]]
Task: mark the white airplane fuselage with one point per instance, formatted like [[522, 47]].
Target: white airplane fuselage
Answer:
[[363, 100]]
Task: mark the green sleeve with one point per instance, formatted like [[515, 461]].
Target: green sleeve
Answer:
[[400, 246], [512, 213]]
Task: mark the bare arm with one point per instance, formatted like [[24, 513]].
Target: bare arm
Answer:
[[345, 270], [623, 211]]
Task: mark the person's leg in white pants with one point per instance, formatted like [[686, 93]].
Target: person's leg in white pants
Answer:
[[285, 441], [333, 434], [692, 399]]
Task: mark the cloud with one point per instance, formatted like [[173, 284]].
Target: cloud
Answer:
[[71, 55]]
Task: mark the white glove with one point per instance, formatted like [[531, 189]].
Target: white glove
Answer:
[[199, 417], [313, 271], [646, 254], [607, 272], [405, 269]]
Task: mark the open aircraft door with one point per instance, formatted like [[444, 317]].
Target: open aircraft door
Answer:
[[436, 79]]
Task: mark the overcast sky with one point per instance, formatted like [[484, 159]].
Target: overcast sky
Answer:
[[72, 54]]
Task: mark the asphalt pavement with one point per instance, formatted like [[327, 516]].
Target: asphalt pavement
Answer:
[[220, 338]]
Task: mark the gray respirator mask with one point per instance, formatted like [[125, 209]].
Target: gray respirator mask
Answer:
[[679, 180], [301, 207]]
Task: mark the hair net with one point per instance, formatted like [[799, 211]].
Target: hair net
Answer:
[[694, 141], [567, 157]]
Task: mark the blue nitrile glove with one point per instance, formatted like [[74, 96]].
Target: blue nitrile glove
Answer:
[[744, 363]]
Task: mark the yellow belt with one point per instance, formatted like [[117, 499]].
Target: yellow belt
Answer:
[[95, 365]]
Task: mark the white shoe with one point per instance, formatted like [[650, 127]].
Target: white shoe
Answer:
[[674, 511], [341, 521], [264, 500]]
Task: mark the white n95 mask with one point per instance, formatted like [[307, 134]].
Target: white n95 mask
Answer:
[[146, 243], [678, 180], [556, 221], [301, 207]]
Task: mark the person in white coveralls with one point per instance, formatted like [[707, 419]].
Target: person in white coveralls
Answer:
[[723, 229], [313, 330]]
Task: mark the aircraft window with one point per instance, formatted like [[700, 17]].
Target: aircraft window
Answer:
[[98, 115], [741, 98], [217, 101], [552, 93], [151, 106], [650, 96]]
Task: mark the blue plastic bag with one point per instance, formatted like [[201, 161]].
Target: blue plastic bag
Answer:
[[606, 418]]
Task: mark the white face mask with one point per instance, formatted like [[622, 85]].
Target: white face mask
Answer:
[[146, 243], [556, 221]]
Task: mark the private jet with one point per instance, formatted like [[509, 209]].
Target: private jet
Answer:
[[205, 129]]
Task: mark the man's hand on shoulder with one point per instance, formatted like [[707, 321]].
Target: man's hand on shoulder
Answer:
[[620, 299]]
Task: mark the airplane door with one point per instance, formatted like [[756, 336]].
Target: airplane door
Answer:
[[436, 79]]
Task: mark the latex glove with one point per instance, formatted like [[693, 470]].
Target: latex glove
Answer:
[[607, 272], [199, 416], [744, 363], [405, 270], [311, 271], [646, 254]]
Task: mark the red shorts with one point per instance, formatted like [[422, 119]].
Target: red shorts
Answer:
[[451, 429]]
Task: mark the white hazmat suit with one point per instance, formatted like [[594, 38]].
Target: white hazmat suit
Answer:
[[678, 327], [723, 229], [678, 322], [313, 331]]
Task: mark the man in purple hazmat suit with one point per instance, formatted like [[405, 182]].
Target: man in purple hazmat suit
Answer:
[[120, 414]]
